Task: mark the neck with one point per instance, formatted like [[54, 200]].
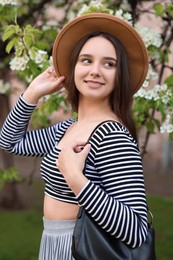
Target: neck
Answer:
[[94, 111]]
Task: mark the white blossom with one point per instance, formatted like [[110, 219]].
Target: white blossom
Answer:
[[46, 27], [140, 93], [93, 5], [125, 6], [96, 3], [157, 92], [119, 13], [125, 16], [166, 98], [149, 35], [146, 83], [160, 88], [71, 15], [51, 61], [170, 111], [19, 63], [155, 54], [152, 95], [4, 87], [151, 73], [82, 10], [29, 78], [40, 56], [167, 127], [8, 2]]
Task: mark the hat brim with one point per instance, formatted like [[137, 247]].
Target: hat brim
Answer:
[[72, 32]]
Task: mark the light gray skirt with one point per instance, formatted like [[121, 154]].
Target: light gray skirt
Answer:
[[56, 240]]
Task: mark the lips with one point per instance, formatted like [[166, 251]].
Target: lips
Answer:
[[94, 84]]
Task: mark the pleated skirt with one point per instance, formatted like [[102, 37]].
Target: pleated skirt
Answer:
[[56, 240]]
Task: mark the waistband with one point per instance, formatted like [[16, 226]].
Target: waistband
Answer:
[[54, 226]]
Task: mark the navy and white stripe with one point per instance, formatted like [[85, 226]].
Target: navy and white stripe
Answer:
[[115, 193]]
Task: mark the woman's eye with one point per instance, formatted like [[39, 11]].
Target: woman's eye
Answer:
[[109, 64], [86, 61]]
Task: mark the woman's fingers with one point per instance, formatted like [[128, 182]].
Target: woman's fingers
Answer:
[[78, 143], [50, 70]]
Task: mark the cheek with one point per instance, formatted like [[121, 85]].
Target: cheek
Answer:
[[79, 72], [111, 77], [78, 76], [112, 83]]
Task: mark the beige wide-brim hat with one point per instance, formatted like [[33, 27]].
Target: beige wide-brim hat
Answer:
[[73, 31]]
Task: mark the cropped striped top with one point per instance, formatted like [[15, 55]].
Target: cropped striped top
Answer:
[[114, 194]]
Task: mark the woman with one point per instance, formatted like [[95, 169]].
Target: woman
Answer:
[[102, 62]]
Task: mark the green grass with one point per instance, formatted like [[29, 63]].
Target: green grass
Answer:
[[20, 231], [162, 210]]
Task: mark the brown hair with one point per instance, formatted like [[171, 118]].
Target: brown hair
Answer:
[[121, 98]]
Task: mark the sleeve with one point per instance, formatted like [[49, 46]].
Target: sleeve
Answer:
[[15, 138], [119, 204]]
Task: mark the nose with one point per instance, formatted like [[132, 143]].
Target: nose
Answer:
[[95, 70]]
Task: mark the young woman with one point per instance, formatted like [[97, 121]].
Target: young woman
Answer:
[[103, 62]]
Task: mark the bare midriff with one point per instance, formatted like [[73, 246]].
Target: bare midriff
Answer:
[[59, 210]]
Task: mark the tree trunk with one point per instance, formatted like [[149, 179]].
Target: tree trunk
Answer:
[[9, 197]]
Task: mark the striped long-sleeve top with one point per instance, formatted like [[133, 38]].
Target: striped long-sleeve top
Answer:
[[114, 195]]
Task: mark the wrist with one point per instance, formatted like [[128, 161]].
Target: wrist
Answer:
[[77, 183], [30, 96]]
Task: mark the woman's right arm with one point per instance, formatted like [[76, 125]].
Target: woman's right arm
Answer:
[[14, 136]]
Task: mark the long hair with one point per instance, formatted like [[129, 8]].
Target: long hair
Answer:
[[121, 98]]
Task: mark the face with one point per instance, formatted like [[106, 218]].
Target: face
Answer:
[[95, 69]]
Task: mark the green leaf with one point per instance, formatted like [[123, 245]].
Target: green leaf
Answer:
[[169, 80], [28, 40], [19, 50], [33, 51], [157, 123], [9, 46], [42, 45], [30, 29], [75, 115], [10, 30], [150, 126], [17, 29], [8, 175], [7, 35], [159, 9], [170, 136], [169, 10]]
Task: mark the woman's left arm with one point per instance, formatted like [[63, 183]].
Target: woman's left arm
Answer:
[[119, 206]]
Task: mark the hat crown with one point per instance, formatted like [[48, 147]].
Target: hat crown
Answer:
[[73, 31]]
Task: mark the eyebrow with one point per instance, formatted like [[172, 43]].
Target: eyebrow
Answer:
[[89, 56]]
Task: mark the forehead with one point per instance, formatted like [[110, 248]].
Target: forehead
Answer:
[[98, 44]]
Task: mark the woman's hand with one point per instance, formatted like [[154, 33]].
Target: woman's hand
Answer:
[[71, 163], [44, 84]]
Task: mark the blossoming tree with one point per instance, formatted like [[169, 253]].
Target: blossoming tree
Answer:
[[28, 30]]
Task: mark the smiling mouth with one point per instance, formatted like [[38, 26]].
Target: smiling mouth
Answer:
[[94, 84]]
